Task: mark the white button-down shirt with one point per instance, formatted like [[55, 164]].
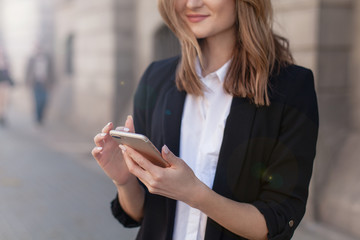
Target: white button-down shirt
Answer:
[[202, 130]]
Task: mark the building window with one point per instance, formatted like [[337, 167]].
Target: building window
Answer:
[[69, 55]]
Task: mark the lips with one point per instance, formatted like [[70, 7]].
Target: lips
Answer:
[[195, 18]]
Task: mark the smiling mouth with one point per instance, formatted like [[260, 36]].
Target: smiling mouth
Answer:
[[195, 18]]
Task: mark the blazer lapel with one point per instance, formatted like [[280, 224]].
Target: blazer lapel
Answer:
[[174, 105], [232, 154], [234, 145]]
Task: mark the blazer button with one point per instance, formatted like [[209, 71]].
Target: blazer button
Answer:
[[291, 223]]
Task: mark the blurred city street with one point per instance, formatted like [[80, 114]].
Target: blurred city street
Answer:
[[50, 186], [89, 58]]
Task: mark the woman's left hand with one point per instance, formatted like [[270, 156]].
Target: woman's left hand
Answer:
[[177, 181]]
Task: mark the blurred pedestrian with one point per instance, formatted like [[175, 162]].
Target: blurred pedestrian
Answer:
[[39, 76], [5, 83]]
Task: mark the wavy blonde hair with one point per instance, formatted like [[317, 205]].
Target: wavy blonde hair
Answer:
[[257, 54]]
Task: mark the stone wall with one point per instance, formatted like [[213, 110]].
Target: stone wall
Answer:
[[100, 84], [84, 95], [147, 23], [125, 62], [355, 67], [296, 20], [339, 195]]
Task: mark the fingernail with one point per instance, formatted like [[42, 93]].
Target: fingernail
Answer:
[[108, 124], [103, 134], [166, 149], [123, 129], [129, 117], [99, 148], [123, 148]]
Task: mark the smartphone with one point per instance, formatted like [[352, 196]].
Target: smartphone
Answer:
[[141, 144]]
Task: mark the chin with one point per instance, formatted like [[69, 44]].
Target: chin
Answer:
[[200, 33], [200, 36]]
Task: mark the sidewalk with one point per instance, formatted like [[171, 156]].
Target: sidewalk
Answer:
[[316, 231], [50, 186]]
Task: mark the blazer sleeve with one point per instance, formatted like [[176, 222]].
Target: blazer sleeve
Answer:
[[140, 101], [119, 213], [285, 179]]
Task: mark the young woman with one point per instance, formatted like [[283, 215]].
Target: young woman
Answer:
[[236, 120]]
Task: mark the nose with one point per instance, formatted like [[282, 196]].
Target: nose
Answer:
[[194, 3]]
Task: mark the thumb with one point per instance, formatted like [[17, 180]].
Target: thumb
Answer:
[[168, 155], [129, 123]]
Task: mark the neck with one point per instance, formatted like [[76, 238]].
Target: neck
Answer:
[[217, 51]]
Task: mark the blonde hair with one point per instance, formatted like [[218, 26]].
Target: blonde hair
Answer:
[[257, 54]]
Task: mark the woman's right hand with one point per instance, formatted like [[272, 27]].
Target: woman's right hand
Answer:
[[109, 156]]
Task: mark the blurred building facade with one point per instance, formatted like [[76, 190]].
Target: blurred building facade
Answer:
[[95, 59], [102, 47]]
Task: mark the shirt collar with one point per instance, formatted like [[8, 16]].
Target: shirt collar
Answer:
[[220, 73]]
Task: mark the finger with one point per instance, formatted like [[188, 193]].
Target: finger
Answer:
[[122, 129], [138, 172], [99, 139], [96, 152], [139, 159], [130, 123], [108, 127], [133, 167], [169, 156]]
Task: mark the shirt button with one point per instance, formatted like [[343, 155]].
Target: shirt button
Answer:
[[291, 223]]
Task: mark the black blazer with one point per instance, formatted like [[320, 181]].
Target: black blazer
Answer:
[[266, 156]]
